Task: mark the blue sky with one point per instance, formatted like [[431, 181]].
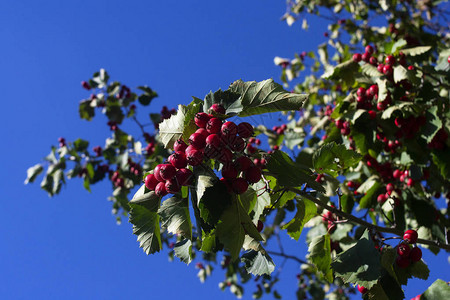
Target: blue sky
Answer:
[[69, 246]]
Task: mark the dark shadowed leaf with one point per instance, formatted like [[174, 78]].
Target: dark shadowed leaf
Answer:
[[258, 263], [332, 158], [320, 254], [306, 210]]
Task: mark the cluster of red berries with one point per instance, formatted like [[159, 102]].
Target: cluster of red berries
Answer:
[[98, 150], [279, 129], [405, 254], [166, 178], [135, 168], [117, 180], [113, 125], [124, 92], [252, 146], [438, 141], [165, 114], [329, 219], [343, 126], [62, 142]]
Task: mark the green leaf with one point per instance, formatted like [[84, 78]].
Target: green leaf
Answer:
[[343, 71], [147, 96], [359, 264], [416, 50], [370, 70], [183, 250], [146, 227], [420, 270], [258, 263], [234, 224], [306, 210], [388, 112], [208, 242], [85, 110], [388, 257], [398, 45], [265, 96], [146, 198], [230, 100], [432, 125], [320, 254], [80, 145], [369, 198], [289, 173], [400, 73], [293, 138], [174, 213], [441, 159], [438, 290], [33, 172], [382, 89], [332, 158]]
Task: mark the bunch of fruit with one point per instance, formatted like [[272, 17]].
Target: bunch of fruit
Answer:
[[214, 139], [406, 254]]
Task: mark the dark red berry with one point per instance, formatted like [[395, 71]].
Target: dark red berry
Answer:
[[362, 289], [211, 151], [361, 92], [253, 174], [245, 130], [194, 157], [242, 163], [372, 114], [172, 186], [239, 185], [366, 57], [157, 173], [214, 125], [218, 108], [197, 140], [390, 60], [382, 198], [178, 160], [213, 140], [357, 57], [179, 146], [85, 85], [260, 226], [369, 49], [416, 254], [201, 119], [402, 262], [184, 176], [160, 189], [203, 132], [167, 171], [229, 171], [229, 129], [387, 70], [151, 182], [403, 250], [225, 155], [410, 236], [237, 144]]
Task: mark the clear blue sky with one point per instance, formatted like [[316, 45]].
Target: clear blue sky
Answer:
[[69, 247]]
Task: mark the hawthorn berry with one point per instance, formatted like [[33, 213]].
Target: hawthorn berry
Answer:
[[366, 57], [218, 108], [382, 198], [229, 171], [201, 119], [172, 186], [203, 132], [357, 57], [387, 70], [197, 140], [260, 226], [213, 140], [179, 146], [242, 163], [178, 160], [184, 176], [229, 129], [416, 254], [403, 250], [410, 236], [253, 174], [390, 60], [369, 49], [372, 114], [156, 172], [362, 289], [237, 144], [85, 85], [239, 185], [390, 188], [225, 155], [167, 171], [214, 125], [194, 157], [245, 130], [160, 189], [151, 182]]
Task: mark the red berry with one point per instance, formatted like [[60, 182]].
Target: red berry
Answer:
[[260, 226], [382, 198], [179, 146], [178, 160], [402, 262], [203, 132], [214, 125], [372, 114], [237, 144], [160, 189], [218, 108], [351, 184], [357, 57], [253, 174], [403, 250], [211, 151], [369, 49], [184, 176], [239, 185], [225, 155], [85, 85], [172, 186], [194, 157], [410, 182], [339, 123], [410, 236], [390, 60], [245, 130], [157, 173], [387, 70], [380, 68], [242, 163], [366, 57], [167, 171], [229, 129], [213, 140], [416, 254], [151, 182], [362, 289], [373, 61], [201, 119], [361, 92], [389, 188], [229, 171], [197, 140]]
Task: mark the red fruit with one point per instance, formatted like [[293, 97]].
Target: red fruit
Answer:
[[237, 144], [372, 114], [179, 146], [387, 70], [160, 189], [197, 140], [167, 171], [397, 173], [253, 174], [203, 132], [390, 60], [225, 155], [229, 171], [184, 176], [260, 226], [214, 125], [410, 182], [85, 85], [178, 160], [403, 250], [213, 140], [402, 262], [211, 151], [366, 57], [351, 184], [382, 198], [448, 59], [242, 163], [416, 254], [380, 68], [239, 185], [151, 182], [201, 119], [157, 173], [381, 105], [194, 157], [339, 123], [172, 186], [245, 130], [369, 49], [229, 129], [362, 289], [373, 61], [410, 236], [218, 108], [389, 188], [357, 57], [361, 92], [345, 131]]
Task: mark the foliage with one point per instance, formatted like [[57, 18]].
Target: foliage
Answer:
[[368, 134]]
